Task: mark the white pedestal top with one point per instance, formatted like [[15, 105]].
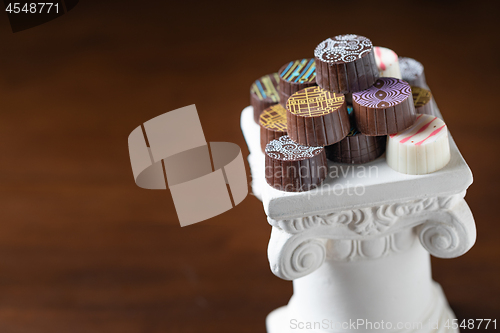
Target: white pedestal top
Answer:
[[351, 186]]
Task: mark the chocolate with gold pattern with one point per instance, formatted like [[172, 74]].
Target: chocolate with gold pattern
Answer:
[[292, 167], [272, 124], [263, 94], [294, 76], [317, 117], [345, 64], [422, 100], [385, 108]]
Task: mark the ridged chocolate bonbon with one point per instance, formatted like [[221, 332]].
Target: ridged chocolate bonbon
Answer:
[[345, 64], [263, 94], [294, 76], [412, 72], [385, 108], [317, 117], [422, 100], [292, 167], [356, 148], [272, 124]]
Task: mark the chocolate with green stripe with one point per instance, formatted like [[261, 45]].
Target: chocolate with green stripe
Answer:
[[263, 94], [294, 76]]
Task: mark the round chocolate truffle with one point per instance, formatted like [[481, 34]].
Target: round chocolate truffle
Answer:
[[356, 148], [292, 167], [385, 108], [422, 100], [412, 72], [345, 64], [317, 117], [272, 124], [263, 94], [294, 76]]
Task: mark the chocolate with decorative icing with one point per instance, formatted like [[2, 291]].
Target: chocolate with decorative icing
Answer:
[[422, 100], [263, 94], [345, 64], [294, 76], [412, 72], [292, 167], [272, 124], [385, 108], [317, 117]]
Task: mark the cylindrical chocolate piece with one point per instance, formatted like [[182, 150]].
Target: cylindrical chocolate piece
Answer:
[[294, 76], [272, 124], [387, 62], [292, 167], [356, 148], [345, 64], [385, 108], [412, 72], [263, 94], [422, 100], [317, 117], [421, 149]]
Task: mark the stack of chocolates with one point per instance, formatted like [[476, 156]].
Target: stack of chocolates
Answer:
[[347, 104]]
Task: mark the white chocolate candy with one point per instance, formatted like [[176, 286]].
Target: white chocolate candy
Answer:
[[387, 62], [421, 149]]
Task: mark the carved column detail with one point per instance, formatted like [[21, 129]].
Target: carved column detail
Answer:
[[299, 246]]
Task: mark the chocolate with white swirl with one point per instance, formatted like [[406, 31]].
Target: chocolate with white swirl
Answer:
[[385, 108], [294, 76], [412, 72], [272, 124], [422, 100], [263, 94], [345, 64], [292, 167], [317, 117]]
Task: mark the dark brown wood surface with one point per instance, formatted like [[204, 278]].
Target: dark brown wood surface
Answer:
[[82, 249]]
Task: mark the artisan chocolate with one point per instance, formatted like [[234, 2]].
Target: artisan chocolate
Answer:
[[421, 149], [356, 148], [387, 62], [263, 94], [317, 117], [385, 108], [422, 100], [295, 76], [272, 124], [292, 167], [412, 72], [345, 64]]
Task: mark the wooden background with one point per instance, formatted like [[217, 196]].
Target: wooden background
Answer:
[[82, 249]]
